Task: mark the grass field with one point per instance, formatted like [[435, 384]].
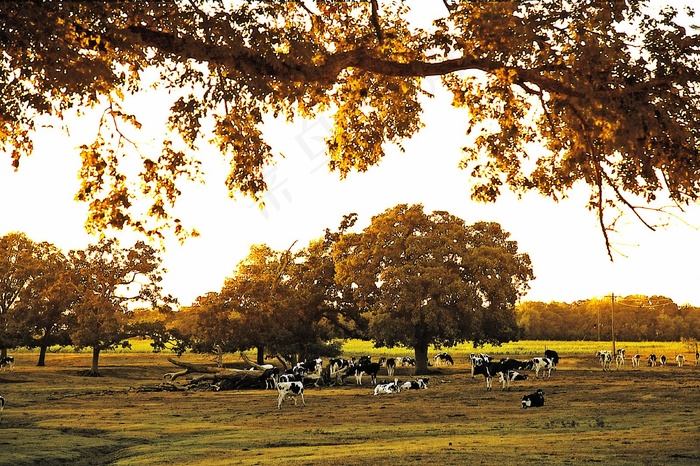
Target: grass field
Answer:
[[630, 416]]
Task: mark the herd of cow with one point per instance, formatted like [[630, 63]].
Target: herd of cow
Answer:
[[290, 386], [606, 358]]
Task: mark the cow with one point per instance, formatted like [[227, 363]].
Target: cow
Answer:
[[337, 363], [508, 376], [652, 360], [508, 364], [534, 400], [271, 375], [542, 364], [663, 360], [620, 358], [290, 390], [635, 360], [387, 388], [489, 370], [290, 378], [371, 369], [553, 355], [7, 363], [309, 366], [680, 359], [476, 360], [443, 358], [420, 383], [408, 361], [605, 357], [390, 366], [2, 406]]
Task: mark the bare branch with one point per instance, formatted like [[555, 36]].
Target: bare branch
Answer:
[[375, 22]]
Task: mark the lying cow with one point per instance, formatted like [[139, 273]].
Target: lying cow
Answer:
[[290, 390], [388, 388], [534, 400], [7, 363], [418, 384]]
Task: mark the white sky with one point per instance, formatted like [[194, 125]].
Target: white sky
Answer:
[[562, 239]]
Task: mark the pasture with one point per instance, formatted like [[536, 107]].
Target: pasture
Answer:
[[630, 416]]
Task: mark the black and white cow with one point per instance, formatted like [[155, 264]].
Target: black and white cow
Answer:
[[652, 360], [680, 360], [663, 360], [420, 383], [697, 358], [337, 363], [509, 376], [290, 377], [2, 406], [371, 369], [309, 366], [443, 359], [533, 400], [508, 364], [605, 357], [387, 388], [390, 366], [290, 390], [489, 370], [7, 363], [545, 365], [477, 359], [271, 376], [553, 355], [635, 360], [407, 361]]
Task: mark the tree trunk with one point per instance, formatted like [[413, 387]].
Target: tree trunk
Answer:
[[3, 353], [421, 351], [261, 355], [42, 356], [94, 367]]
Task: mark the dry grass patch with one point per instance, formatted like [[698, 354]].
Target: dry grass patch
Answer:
[[626, 417]]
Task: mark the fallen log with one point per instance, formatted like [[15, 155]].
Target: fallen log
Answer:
[[235, 378]]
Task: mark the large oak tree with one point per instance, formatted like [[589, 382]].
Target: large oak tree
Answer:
[[608, 89], [430, 279]]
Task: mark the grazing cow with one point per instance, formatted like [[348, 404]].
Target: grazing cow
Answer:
[[542, 364], [605, 359], [290, 378], [652, 360], [443, 358], [663, 360], [509, 364], [509, 376], [418, 384], [534, 400], [390, 367], [371, 369], [388, 388], [7, 363], [635, 360], [290, 390], [680, 359], [553, 355]]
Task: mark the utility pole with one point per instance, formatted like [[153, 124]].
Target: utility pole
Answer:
[[612, 323]]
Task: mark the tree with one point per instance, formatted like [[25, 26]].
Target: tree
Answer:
[[45, 307], [609, 90], [429, 279], [109, 279], [18, 267]]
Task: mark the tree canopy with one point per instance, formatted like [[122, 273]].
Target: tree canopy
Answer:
[[607, 90], [429, 279]]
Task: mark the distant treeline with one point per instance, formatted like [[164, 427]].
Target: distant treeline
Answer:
[[634, 318]]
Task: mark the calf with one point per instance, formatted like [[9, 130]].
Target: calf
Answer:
[[7, 363], [418, 384], [507, 377], [443, 358], [680, 359], [290, 390], [535, 400], [388, 388]]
